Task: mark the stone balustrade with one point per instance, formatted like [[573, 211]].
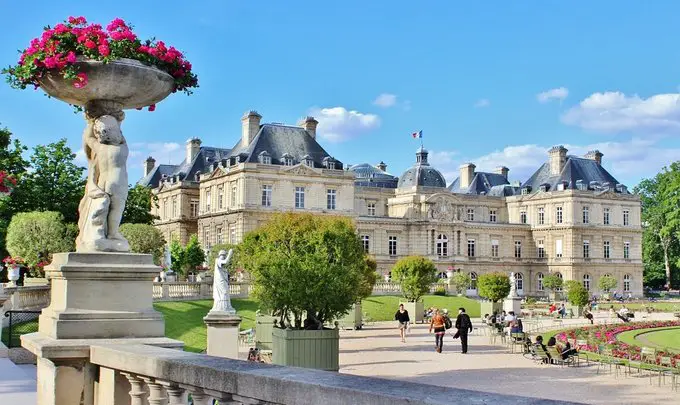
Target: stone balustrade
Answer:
[[28, 297], [186, 291], [157, 376]]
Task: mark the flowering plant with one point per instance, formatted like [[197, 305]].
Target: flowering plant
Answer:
[[7, 183], [59, 49], [13, 261]]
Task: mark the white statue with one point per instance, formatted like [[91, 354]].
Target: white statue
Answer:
[[513, 285], [101, 208], [222, 302], [167, 258]]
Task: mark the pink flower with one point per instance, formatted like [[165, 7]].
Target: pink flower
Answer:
[[104, 50], [50, 62], [71, 57], [80, 81], [152, 107], [115, 24], [90, 44], [77, 20], [60, 29]]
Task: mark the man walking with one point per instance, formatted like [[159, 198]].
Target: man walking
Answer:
[[464, 326]]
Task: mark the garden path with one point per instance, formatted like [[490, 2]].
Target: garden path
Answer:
[[17, 383]]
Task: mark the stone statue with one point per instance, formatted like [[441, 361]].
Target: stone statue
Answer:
[[513, 285], [167, 258], [222, 302], [101, 208]]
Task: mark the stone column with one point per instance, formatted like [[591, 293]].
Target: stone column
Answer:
[[223, 328]]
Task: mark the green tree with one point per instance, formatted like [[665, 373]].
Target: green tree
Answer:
[[215, 250], [36, 236], [12, 162], [460, 281], [369, 276], [177, 256], [493, 286], [305, 265], [194, 256], [606, 283], [415, 274], [138, 206], [144, 238], [577, 294], [552, 282]]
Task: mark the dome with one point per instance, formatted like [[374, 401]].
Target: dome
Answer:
[[422, 174], [368, 175]]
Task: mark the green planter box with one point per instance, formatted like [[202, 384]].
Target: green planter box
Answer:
[[319, 349], [488, 307], [416, 310], [264, 324], [353, 319]]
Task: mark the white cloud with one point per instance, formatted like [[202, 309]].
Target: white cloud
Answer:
[[559, 93], [80, 159], [616, 112], [483, 102], [337, 124], [385, 100], [162, 152]]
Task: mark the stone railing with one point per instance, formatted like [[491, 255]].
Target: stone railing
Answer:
[[389, 288], [152, 375], [186, 291], [28, 297]]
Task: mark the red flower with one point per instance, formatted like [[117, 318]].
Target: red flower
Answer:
[[81, 80], [104, 50], [71, 57], [90, 44], [152, 107]]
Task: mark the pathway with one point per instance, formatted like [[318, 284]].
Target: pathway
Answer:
[[17, 383]]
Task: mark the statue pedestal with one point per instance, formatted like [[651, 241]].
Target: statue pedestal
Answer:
[[223, 328], [513, 304]]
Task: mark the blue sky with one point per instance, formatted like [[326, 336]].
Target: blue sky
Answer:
[[488, 82]]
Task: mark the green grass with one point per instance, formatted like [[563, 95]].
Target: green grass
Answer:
[[382, 308], [17, 330], [661, 338], [659, 306]]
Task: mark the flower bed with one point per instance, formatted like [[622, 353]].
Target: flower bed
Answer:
[[606, 335]]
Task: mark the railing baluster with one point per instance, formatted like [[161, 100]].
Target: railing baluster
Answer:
[[176, 394], [138, 391], [157, 394], [199, 396]]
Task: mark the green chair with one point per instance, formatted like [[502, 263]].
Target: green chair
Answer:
[[607, 358], [665, 368], [580, 344], [517, 339]]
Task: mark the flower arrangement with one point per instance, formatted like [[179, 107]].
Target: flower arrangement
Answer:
[[13, 261], [7, 183], [61, 47]]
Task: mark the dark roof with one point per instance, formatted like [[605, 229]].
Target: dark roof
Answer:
[[422, 174], [368, 175], [575, 169], [277, 140], [485, 183], [186, 170]]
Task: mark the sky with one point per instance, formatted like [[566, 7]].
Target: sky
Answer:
[[488, 82]]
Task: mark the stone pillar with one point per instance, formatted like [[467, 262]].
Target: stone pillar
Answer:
[[513, 304], [223, 328]]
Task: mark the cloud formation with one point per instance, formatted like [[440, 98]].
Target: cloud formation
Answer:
[[162, 152], [385, 100], [481, 103], [337, 124], [559, 93]]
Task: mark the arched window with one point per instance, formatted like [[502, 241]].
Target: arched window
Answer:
[[442, 245], [519, 282], [539, 283], [559, 275], [626, 282], [473, 281], [442, 275], [586, 281]]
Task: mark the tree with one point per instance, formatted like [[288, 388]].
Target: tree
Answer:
[[194, 256], [552, 282], [36, 236], [493, 286], [606, 283], [177, 256], [577, 294], [415, 274], [12, 162], [305, 265], [138, 206], [369, 276], [460, 281], [144, 238], [215, 250]]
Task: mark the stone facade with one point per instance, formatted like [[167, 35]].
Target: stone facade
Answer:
[[571, 217]]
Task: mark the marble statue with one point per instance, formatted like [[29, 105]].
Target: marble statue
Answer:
[[513, 285], [167, 258], [101, 208], [222, 302]]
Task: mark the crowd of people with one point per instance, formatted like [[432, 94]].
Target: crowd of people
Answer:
[[440, 322]]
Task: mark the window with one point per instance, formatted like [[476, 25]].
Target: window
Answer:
[[586, 249], [492, 215], [331, 165], [371, 209], [518, 248], [234, 191], [264, 159], [525, 191], [471, 248], [330, 199], [165, 209], [218, 235], [194, 208], [626, 250], [523, 217], [392, 245], [366, 242], [470, 214], [287, 160], [541, 248], [605, 217], [307, 161], [442, 245], [473, 281], [586, 215], [208, 200], [266, 195], [299, 197], [605, 249], [626, 282], [519, 282], [586, 281], [558, 248], [626, 217], [232, 235], [541, 216], [494, 248], [174, 206], [558, 215], [539, 282], [206, 237]]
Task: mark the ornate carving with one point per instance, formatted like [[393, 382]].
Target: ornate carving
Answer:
[[443, 210]]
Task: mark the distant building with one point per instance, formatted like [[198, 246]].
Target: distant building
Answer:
[[571, 217]]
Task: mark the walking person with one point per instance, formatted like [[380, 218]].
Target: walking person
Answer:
[[438, 324], [464, 326], [402, 317]]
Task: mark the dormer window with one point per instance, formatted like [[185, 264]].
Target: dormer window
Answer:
[[561, 186], [526, 190], [264, 158], [580, 185], [545, 187], [329, 163], [307, 161], [287, 159]]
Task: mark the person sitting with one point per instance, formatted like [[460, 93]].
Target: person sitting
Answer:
[[552, 308], [623, 314], [588, 315], [516, 326], [566, 350], [540, 346], [552, 341]]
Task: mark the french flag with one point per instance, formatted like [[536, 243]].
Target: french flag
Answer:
[[418, 134]]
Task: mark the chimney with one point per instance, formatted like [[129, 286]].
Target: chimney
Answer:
[[149, 164], [309, 124], [558, 158], [382, 166], [503, 171], [250, 126], [595, 155], [467, 173], [193, 147]]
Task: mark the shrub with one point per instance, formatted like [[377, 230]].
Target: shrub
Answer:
[[577, 294], [606, 283], [552, 282], [493, 286], [415, 274], [460, 281], [36, 236], [369, 276], [440, 290], [144, 238]]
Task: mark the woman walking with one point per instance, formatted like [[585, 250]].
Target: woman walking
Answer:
[[402, 317], [438, 324]]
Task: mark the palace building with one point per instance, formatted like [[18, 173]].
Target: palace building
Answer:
[[571, 217]]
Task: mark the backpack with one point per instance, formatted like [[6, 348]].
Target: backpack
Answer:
[[447, 322]]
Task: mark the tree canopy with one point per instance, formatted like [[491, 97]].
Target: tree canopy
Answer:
[[493, 286], [415, 274], [144, 238], [138, 206], [606, 283], [460, 281], [552, 282], [185, 259], [577, 294]]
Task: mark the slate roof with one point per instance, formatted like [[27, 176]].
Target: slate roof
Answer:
[[575, 169], [421, 174], [493, 184], [277, 140], [368, 175], [186, 170]]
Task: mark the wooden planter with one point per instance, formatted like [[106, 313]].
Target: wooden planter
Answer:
[[264, 324], [416, 310], [488, 307], [353, 319], [318, 349]]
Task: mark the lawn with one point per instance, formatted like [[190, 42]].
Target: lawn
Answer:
[[662, 338], [382, 308]]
